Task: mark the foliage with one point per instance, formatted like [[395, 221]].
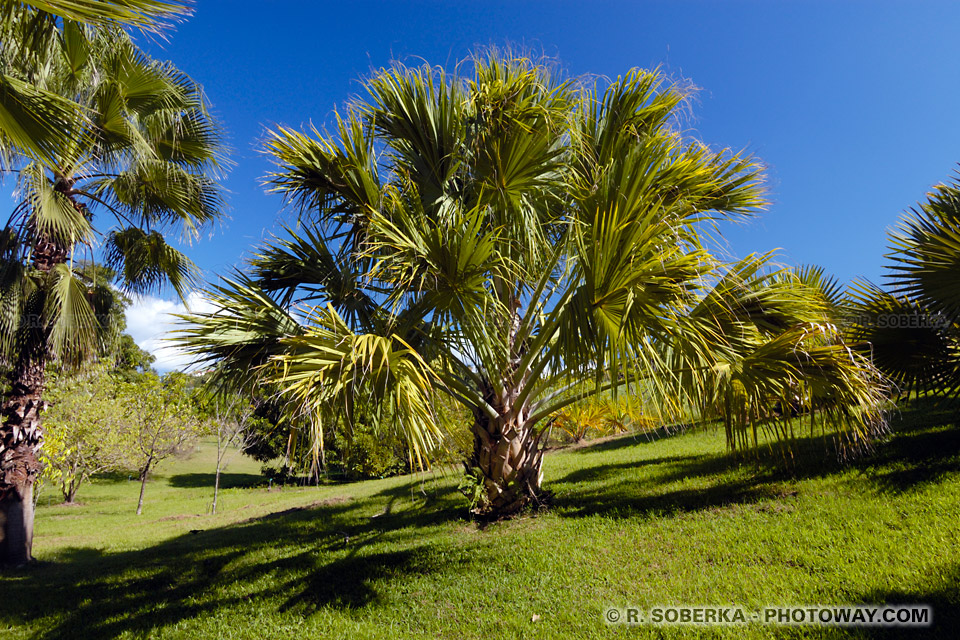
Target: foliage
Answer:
[[783, 352], [86, 430], [144, 157], [601, 416], [38, 122], [129, 358], [913, 328], [102, 420], [116, 349], [514, 242], [162, 421], [369, 457]]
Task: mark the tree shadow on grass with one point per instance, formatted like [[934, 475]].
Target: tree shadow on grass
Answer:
[[325, 556], [632, 439], [923, 448], [114, 477], [332, 554], [609, 490], [227, 480], [944, 600]]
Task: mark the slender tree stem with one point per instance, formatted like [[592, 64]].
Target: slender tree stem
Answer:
[[143, 484]]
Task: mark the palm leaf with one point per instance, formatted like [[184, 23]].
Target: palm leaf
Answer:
[[73, 324], [146, 262], [34, 121], [148, 15]]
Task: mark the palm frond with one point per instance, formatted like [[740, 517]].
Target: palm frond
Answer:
[[916, 348], [317, 175], [301, 267], [35, 122], [146, 262], [50, 211], [163, 194], [73, 324], [148, 15], [926, 252], [329, 366], [241, 335], [778, 352]]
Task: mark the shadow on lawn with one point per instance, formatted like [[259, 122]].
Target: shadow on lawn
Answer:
[[943, 599], [227, 480], [924, 446], [329, 555], [632, 439], [316, 557]]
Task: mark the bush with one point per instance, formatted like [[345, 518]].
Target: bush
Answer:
[[369, 456]]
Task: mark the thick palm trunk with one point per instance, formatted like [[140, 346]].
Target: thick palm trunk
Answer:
[[16, 520], [508, 460], [507, 457], [21, 433], [20, 439]]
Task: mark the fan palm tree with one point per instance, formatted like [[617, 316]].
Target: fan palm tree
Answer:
[[913, 328], [780, 351], [141, 163], [515, 242], [34, 121]]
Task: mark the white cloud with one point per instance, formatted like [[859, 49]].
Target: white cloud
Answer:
[[150, 321]]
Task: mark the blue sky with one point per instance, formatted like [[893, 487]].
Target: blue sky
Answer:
[[853, 106]]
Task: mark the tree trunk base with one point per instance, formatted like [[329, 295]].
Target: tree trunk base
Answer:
[[16, 528], [507, 478], [512, 506]]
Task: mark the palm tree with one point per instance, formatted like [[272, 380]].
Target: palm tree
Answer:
[[145, 155], [512, 241], [34, 121], [913, 328], [781, 352]]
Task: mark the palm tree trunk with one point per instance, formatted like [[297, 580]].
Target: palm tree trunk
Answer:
[[21, 436], [508, 459], [16, 517], [21, 433]]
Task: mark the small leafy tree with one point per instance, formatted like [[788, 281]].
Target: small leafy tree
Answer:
[[229, 417], [86, 430], [161, 421]]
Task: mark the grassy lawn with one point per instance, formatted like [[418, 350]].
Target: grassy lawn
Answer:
[[635, 521]]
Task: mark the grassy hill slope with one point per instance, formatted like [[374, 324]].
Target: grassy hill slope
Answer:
[[634, 522]]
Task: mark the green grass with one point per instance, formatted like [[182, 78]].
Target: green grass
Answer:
[[634, 522]]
